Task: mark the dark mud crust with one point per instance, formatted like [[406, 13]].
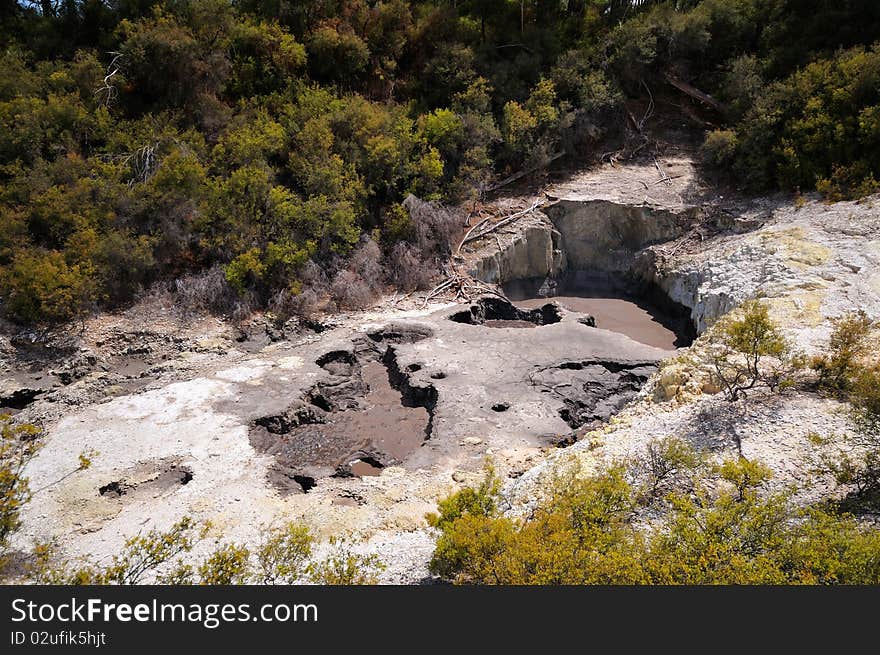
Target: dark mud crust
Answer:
[[167, 475], [313, 437], [497, 309], [592, 391]]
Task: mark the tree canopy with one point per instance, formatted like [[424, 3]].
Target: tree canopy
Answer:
[[145, 141]]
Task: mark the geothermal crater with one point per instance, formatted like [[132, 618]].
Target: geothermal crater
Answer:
[[598, 324], [641, 312], [362, 422], [364, 416]]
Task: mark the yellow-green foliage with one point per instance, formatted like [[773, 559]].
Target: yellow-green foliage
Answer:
[[166, 140], [865, 395], [748, 349], [719, 148], [841, 365], [285, 556], [18, 445], [140, 556], [725, 531], [42, 286], [669, 464], [850, 369], [817, 128], [481, 501], [228, 564], [343, 566]]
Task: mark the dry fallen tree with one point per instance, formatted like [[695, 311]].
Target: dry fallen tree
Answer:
[[481, 229], [460, 287], [108, 89]]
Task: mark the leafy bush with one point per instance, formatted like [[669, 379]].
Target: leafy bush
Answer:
[[41, 287], [285, 556], [865, 396], [18, 446], [747, 350], [170, 138], [591, 531], [719, 148], [668, 464], [343, 566], [140, 557], [849, 369], [816, 129], [228, 564], [840, 366]]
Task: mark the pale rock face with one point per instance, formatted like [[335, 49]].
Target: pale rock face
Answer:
[[811, 264], [534, 253], [595, 235], [799, 254], [605, 236]]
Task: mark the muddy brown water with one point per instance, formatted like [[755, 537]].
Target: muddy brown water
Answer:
[[386, 423], [361, 469], [613, 309], [616, 315], [373, 430]]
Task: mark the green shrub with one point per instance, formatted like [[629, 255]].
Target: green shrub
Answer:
[[284, 553], [343, 566], [719, 148], [727, 530], [747, 350], [18, 446], [865, 397], [227, 565], [285, 556], [841, 364], [41, 287]]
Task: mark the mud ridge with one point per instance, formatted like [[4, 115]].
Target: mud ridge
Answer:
[[366, 414], [592, 391], [488, 309]]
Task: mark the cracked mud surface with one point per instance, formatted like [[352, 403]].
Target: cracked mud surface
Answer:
[[359, 428], [365, 417], [592, 391]]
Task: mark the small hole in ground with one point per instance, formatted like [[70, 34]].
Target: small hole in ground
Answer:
[[500, 407], [412, 368], [305, 482], [113, 489], [439, 375], [320, 402], [366, 466]]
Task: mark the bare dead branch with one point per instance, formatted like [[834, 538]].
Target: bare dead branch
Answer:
[[107, 89]]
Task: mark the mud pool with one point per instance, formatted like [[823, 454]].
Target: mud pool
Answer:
[[611, 305]]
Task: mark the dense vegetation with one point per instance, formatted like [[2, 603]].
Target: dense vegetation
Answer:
[[723, 528], [257, 152]]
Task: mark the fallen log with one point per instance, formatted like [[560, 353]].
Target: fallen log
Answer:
[[522, 174], [693, 92], [508, 219], [469, 232]]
